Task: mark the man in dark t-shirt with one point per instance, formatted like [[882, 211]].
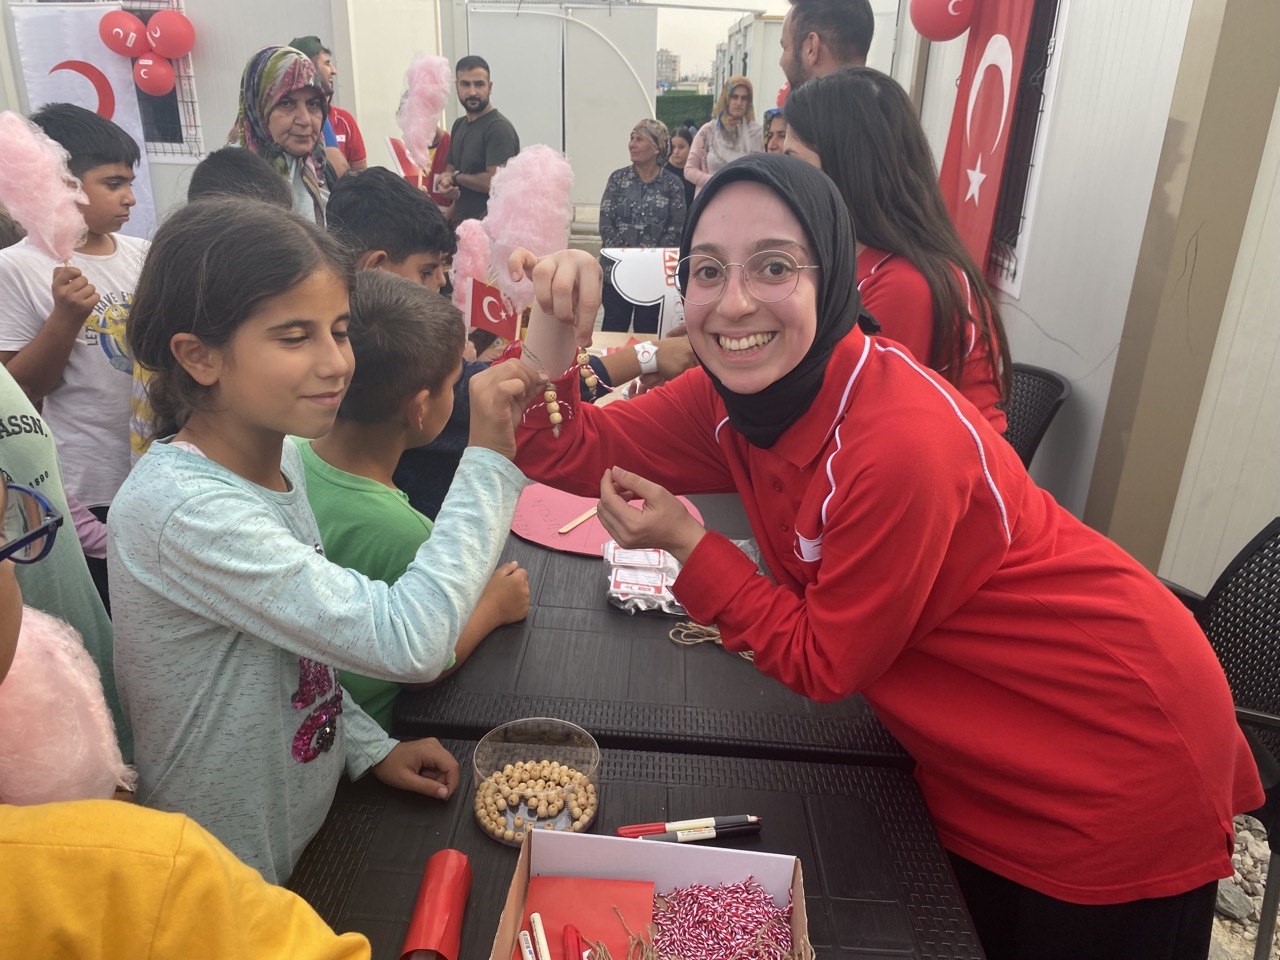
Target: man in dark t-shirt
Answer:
[[481, 141]]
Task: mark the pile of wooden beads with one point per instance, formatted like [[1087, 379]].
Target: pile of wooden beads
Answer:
[[534, 795], [737, 920]]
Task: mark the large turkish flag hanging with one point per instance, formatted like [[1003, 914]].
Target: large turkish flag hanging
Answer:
[[974, 160]]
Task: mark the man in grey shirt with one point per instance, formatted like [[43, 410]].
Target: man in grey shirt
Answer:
[[481, 141]]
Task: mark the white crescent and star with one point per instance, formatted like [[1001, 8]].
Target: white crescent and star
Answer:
[[951, 8], [101, 85], [999, 54], [484, 306]]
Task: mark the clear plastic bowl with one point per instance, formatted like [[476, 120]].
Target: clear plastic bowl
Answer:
[[538, 773]]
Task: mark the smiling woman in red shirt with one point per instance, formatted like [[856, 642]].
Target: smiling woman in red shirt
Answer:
[[915, 276], [1074, 735]]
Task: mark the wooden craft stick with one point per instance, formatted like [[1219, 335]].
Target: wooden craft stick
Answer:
[[577, 521]]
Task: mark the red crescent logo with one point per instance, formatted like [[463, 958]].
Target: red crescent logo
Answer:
[[101, 86]]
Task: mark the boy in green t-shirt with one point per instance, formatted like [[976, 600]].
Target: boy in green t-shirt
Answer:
[[408, 343]]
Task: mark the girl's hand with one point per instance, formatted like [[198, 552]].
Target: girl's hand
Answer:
[[567, 285], [507, 593], [663, 522], [422, 766], [498, 398]]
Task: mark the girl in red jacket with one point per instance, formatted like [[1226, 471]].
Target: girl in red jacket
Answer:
[[1073, 732], [914, 274]]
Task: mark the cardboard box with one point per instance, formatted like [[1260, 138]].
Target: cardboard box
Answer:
[[668, 865]]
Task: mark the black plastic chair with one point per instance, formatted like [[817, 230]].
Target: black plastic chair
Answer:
[[1035, 396], [1241, 618]]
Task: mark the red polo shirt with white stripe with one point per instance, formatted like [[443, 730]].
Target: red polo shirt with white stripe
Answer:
[[345, 131], [1072, 727], [897, 295]]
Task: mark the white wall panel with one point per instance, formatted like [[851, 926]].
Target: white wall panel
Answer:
[[523, 49], [384, 37], [1105, 133], [604, 100], [1231, 482]]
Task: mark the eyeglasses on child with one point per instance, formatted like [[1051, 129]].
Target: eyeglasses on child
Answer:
[[30, 525]]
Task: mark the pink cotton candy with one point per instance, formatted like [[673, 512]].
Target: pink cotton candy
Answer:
[[37, 188], [428, 81], [57, 741], [470, 262], [529, 207]]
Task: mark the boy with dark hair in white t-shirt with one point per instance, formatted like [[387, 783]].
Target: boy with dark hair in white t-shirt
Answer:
[[62, 325]]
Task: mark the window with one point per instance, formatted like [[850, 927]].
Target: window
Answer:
[[1010, 231], [170, 123]]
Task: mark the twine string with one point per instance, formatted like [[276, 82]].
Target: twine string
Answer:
[[688, 634]]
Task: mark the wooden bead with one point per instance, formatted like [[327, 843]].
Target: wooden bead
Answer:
[[556, 419]]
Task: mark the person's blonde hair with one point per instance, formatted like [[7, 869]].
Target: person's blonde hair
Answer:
[[722, 104]]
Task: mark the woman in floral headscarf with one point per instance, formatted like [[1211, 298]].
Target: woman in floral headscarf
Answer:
[[732, 132], [282, 113], [642, 206]]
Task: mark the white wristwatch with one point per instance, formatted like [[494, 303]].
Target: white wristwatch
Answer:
[[647, 354]]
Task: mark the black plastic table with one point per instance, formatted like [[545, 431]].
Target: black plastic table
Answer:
[[877, 882], [621, 678]]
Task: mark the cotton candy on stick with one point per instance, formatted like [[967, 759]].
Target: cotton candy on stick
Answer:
[[470, 262], [428, 82], [529, 207], [37, 188]]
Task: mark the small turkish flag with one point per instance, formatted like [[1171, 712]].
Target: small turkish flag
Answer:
[[491, 312]]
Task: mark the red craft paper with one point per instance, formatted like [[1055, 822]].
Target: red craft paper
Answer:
[[542, 511], [588, 904], [490, 312], [631, 342], [442, 900]]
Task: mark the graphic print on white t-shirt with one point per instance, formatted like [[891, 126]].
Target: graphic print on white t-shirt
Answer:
[[88, 410]]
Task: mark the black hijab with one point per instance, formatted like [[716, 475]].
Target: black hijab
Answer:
[[814, 200]]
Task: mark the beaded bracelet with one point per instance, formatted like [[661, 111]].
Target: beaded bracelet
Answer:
[[550, 397]]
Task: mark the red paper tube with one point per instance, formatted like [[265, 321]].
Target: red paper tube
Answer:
[[436, 925]]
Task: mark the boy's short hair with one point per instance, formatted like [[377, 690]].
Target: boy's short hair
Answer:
[[470, 63], [237, 172], [376, 209], [90, 140], [10, 230], [405, 338]]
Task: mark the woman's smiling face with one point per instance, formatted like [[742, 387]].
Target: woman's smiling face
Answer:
[[746, 343]]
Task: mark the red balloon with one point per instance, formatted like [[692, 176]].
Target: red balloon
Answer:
[[153, 75], [123, 33], [941, 20], [171, 34]]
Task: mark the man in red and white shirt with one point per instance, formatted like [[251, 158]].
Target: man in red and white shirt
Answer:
[[346, 137]]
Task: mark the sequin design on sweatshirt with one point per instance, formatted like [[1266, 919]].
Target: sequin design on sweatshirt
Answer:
[[318, 686]]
